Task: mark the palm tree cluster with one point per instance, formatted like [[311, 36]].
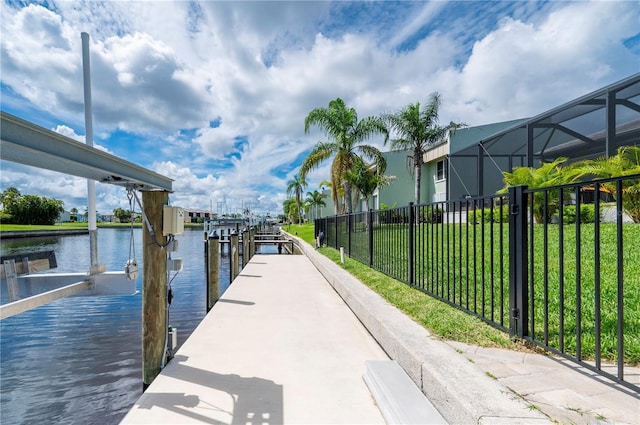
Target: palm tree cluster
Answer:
[[358, 168], [625, 163]]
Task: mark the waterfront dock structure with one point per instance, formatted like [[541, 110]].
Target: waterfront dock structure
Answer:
[[281, 346]]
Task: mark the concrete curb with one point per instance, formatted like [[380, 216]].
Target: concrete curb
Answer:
[[460, 391]]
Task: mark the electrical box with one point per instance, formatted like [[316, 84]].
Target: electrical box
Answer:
[[172, 220]]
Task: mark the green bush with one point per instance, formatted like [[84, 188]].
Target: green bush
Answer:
[[484, 214], [587, 213], [431, 215], [5, 218]]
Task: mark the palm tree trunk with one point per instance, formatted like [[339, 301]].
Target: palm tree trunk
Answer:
[[347, 197]]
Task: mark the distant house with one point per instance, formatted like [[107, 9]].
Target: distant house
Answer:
[[196, 216]]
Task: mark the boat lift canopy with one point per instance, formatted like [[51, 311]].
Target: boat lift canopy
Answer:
[[26, 143], [30, 144]]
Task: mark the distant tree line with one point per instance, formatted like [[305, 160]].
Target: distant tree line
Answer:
[[29, 209]]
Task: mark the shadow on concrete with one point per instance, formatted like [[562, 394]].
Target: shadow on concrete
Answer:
[[255, 400]]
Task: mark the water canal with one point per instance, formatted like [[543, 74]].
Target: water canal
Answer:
[[78, 360]]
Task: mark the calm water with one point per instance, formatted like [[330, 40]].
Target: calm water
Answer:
[[78, 360]]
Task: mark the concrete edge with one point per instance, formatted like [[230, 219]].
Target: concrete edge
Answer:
[[458, 389]]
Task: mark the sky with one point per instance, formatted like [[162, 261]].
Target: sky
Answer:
[[213, 94]]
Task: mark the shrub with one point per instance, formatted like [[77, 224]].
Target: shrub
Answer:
[[484, 214], [431, 215], [587, 213]]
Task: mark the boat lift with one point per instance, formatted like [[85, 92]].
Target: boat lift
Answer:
[[26, 143]]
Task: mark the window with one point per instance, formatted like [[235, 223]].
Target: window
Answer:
[[441, 170]]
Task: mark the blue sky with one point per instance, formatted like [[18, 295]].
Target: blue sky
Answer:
[[214, 94]]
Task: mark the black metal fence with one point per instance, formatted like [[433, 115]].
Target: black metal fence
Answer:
[[558, 266]]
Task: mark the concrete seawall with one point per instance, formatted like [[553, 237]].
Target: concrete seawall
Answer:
[[40, 233]]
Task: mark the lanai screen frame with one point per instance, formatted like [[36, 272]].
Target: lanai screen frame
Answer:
[[594, 125]]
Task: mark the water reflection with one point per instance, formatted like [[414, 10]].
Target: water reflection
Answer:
[[78, 360]]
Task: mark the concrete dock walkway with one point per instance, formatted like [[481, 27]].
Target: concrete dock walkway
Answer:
[[286, 344], [279, 347]]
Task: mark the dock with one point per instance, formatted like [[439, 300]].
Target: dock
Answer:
[[272, 350], [292, 341]]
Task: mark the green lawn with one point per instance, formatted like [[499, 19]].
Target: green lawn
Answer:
[[451, 250]]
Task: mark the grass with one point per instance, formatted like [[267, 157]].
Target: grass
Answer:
[[304, 231], [448, 251], [441, 319]]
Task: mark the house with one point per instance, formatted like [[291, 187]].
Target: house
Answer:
[[594, 125], [471, 161]]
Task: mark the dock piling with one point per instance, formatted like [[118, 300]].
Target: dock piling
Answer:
[[154, 288], [234, 256], [213, 274]]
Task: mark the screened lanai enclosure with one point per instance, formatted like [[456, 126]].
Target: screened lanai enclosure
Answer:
[[594, 125]]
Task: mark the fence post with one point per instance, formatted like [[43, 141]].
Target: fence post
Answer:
[[370, 229], [518, 262], [412, 253], [349, 216]]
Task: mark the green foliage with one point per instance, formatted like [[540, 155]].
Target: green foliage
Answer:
[[304, 231], [346, 136], [431, 215], [417, 130], [441, 319], [30, 209], [295, 188], [587, 213], [486, 215], [123, 215], [546, 175], [625, 163]]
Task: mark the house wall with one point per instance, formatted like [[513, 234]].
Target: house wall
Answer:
[[400, 191]]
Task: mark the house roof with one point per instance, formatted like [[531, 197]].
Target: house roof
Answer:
[[464, 137], [595, 124]]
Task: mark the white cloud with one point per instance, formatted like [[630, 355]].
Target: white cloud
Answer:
[[164, 71]]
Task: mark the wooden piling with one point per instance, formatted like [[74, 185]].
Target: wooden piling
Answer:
[[246, 256], [252, 243], [154, 288], [234, 256], [213, 270]]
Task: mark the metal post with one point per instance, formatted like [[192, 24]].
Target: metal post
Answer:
[[349, 218], [370, 235], [518, 264], [213, 269], [91, 184], [411, 247], [529, 145], [610, 124]]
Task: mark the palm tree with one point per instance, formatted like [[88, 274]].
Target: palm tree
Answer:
[[295, 187], [547, 174], [314, 200], [366, 179], [346, 144], [417, 129], [289, 207], [625, 163]]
